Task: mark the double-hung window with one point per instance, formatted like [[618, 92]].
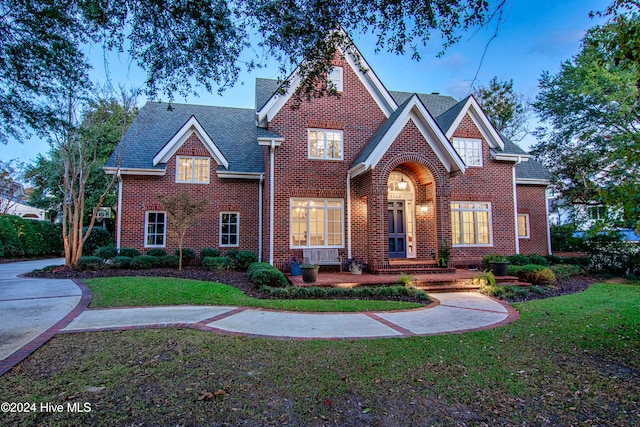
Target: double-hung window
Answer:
[[192, 169], [155, 229], [523, 226], [229, 228], [335, 77], [471, 223], [325, 144], [470, 150], [317, 223]]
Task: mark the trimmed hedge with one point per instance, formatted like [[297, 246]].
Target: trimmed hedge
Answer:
[[90, 263], [21, 237], [315, 292], [538, 275], [120, 262], [218, 263], [156, 252], [209, 252], [187, 254], [142, 262], [98, 238], [244, 259], [130, 252], [106, 252], [169, 261], [264, 274]]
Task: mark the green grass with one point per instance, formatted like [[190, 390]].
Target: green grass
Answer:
[[149, 291], [572, 360]]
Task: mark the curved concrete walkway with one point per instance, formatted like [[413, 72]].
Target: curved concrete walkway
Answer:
[[36, 309]]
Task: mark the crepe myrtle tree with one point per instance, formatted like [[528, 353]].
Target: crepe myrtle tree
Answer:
[[43, 43]]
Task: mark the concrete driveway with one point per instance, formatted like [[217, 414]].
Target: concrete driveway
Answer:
[[30, 308]]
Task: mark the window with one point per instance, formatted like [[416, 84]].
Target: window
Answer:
[[229, 228], [335, 77], [597, 212], [523, 226], [192, 169], [471, 223], [470, 150], [325, 144], [155, 230], [316, 223]]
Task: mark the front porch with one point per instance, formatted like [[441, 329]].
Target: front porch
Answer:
[[450, 281]]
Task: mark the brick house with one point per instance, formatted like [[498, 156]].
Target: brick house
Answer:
[[389, 177]]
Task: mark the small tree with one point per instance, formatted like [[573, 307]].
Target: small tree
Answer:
[[507, 110], [182, 212]]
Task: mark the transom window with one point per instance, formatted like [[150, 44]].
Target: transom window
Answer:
[[325, 144], [317, 223], [229, 228], [471, 223], [192, 169], [470, 150], [155, 229], [335, 77], [523, 226]]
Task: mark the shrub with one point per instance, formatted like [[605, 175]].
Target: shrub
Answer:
[[209, 252], [233, 254], [156, 252], [269, 277], [538, 259], [106, 252], [536, 274], [187, 254], [142, 262], [120, 262], [169, 261], [244, 259], [519, 259], [217, 263], [485, 264], [11, 244], [257, 266], [565, 271], [90, 263], [130, 252], [99, 237], [20, 237], [405, 279]]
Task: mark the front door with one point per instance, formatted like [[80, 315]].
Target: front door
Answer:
[[397, 235]]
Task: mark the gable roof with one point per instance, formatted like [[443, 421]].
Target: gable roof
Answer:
[[232, 130], [436, 104], [532, 172], [412, 109]]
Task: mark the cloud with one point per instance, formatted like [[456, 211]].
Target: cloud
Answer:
[[457, 88], [456, 60]]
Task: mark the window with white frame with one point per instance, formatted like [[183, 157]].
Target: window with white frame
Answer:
[[335, 77], [192, 169], [229, 228], [155, 229], [523, 226], [471, 223], [325, 144], [470, 150], [317, 223]]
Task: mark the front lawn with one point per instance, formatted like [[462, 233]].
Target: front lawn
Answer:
[[571, 360], [148, 291]]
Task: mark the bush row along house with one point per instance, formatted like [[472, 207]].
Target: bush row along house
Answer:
[[385, 176]]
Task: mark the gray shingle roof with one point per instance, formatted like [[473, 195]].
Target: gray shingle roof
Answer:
[[446, 118], [233, 130], [435, 104], [265, 88], [532, 169]]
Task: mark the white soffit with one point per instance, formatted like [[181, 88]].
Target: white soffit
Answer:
[[480, 120]]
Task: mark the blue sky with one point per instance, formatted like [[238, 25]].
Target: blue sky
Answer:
[[533, 36]]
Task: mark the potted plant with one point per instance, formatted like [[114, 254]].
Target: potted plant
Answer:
[[355, 265], [309, 272], [444, 252], [499, 265], [294, 265]]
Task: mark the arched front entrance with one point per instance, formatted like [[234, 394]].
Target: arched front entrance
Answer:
[[401, 217]]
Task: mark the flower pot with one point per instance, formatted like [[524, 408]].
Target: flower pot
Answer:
[[309, 274], [499, 268], [295, 269], [355, 269]]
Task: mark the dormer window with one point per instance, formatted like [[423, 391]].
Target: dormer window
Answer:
[[470, 150], [335, 77], [192, 170]]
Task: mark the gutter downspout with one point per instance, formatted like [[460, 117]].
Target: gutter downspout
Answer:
[[546, 200], [349, 215], [515, 204], [119, 225], [260, 224], [272, 151]]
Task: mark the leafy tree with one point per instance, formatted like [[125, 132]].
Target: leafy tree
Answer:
[[591, 117], [507, 110], [10, 188], [182, 212], [42, 43]]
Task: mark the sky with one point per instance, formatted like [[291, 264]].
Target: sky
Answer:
[[533, 36]]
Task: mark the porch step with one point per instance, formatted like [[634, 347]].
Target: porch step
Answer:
[[409, 266], [462, 284]]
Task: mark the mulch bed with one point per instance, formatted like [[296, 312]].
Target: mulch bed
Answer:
[[239, 280]]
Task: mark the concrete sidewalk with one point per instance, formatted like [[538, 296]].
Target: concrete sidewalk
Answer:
[[34, 310]]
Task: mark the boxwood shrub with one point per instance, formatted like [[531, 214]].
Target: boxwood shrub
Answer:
[[99, 237], [269, 277], [142, 262], [257, 266], [187, 254], [106, 252], [130, 252], [217, 263], [90, 263], [120, 262], [244, 259], [169, 261], [537, 275], [209, 252], [156, 252]]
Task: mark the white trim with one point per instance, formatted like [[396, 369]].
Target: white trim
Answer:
[[134, 171], [508, 157], [240, 175], [490, 217], [237, 244], [481, 121], [427, 126], [272, 158], [532, 181], [189, 128], [515, 204], [528, 226], [260, 219], [193, 170], [325, 208], [338, 81], [164, 231], [325, 150], [348, 215], [119, 222], [267, 141], [546, 199], [467, 142]]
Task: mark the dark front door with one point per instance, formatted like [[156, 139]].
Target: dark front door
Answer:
[[397, 236]]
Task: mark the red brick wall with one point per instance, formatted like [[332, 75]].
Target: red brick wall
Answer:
[[236, 195], [532, 201]]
